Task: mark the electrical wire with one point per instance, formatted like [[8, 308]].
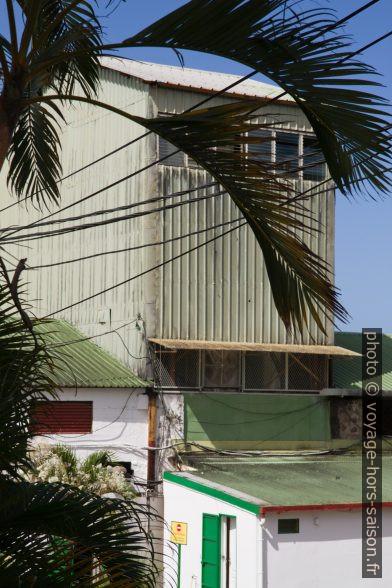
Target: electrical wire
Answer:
[[202, 102], [65, 230], [134, 248], [122, 283], [143, 136]]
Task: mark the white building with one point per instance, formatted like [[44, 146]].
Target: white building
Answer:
[[271, 522], [101, 403]]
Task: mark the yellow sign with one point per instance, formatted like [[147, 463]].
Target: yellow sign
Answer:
[[179, 532]]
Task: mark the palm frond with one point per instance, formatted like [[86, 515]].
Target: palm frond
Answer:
[[299, 278], [35, 166], [25, 378], [67, 456], [69, 29], [81, 528], [312, 64], [102, 457]]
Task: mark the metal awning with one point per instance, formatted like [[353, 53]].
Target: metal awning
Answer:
[[241, 346]]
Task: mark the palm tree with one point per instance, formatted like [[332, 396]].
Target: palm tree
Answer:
[[53, 58], [53, 534], [97, 473]]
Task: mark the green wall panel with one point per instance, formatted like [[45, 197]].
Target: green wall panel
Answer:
[[251, 417]]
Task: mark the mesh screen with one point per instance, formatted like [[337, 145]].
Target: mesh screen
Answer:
[[177, 369], [222, 369], [307, 371], [264, 371]]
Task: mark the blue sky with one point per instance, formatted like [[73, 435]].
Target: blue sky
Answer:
[[363, 228]]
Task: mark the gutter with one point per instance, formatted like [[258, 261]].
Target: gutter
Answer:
[[312, 507]]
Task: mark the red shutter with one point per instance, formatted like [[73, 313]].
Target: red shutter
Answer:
[[62, 417]]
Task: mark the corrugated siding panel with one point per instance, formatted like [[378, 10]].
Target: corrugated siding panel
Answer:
[[92, 132], [63, 417], [221, 291]]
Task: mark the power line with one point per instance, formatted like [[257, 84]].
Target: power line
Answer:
[[119, 208], [202, 102], [143, 136], [104, 291], [62, 231], [136, 247], [378, 40]]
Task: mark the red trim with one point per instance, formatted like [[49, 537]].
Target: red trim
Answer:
[[309, 507]]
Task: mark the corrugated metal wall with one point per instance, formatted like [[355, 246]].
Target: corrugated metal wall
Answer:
[[90, 133], [221, 291]]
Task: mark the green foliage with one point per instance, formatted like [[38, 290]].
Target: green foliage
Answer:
[[54, 534], [56, 51], [308, 58], [302, 50], [96, 474]]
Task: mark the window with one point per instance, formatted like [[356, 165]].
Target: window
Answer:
[[264, 371], [221, 369], [248, 371], [165, 148], [313, 161], [261, 151], [62, 417], [286, 526], [307, 371], [179, 368], [287, 151]]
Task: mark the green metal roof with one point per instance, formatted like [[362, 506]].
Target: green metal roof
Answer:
[[287, 481], [347, 371], [81, 363]]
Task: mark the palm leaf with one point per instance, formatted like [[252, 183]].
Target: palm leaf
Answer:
[[313, 66], [25, 378], [87, 527], [299, 278], [35, 166], [58, 50]]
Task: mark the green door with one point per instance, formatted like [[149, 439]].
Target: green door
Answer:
[[210, 565]]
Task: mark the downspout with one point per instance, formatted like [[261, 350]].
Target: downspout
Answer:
[[261, 580], [152, 438]]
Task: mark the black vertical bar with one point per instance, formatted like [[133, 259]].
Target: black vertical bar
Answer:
[[371, 453]]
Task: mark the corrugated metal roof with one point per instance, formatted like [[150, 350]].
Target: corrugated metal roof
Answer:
[[291, 481], [81, 363], [348, 374], [194, 79], [242, 346]]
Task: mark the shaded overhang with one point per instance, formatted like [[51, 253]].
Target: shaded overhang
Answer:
[[332, 350]]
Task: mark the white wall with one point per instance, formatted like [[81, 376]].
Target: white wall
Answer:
[[327, 551], [119, 424], [186, 505]]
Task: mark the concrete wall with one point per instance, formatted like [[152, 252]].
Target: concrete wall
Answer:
[[119, 425]]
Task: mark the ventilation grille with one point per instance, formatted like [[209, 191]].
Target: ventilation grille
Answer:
[[62, 417]]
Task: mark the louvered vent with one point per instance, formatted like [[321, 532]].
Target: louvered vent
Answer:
[[62, 417]]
